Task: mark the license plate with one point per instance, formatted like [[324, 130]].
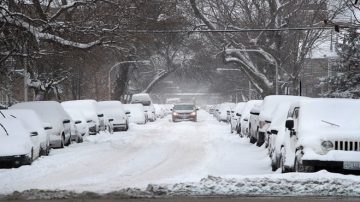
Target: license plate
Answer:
[[351, 165]]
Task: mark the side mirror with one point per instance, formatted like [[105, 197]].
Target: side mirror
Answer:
[[246, 119], [110, 120], [237, 114], [100, 115], [171, 109], [47, 128], [275, 132], [197, 109], [127, 113], [77, 122], [66, 121], [145, 111], [289, 124], [33, 134]]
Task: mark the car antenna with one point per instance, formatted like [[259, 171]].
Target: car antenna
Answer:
[[332, 124], [4, 129]]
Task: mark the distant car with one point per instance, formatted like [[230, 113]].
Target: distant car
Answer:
[[159, 111], [94, 118], [115, 116], [243, 122], [235, 116], [53, 113], [323, 134], [17, 145], [183, 112], [145, 100], [223, 112], [137, 114], [33, 123]]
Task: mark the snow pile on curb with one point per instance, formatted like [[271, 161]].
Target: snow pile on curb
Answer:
[[320, 184], [315, 184]]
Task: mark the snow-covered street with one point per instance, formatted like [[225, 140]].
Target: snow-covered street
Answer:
[[188, 158], [159, 152]]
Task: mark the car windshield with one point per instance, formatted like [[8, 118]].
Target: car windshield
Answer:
[[184, 107]]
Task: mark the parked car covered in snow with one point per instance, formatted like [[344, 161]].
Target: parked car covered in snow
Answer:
[[324, 133], [137, 114], [17, 145], [159, 111], [276, 132], [236, 115], [267, 108], [243, 122], [254, 123], [224, 111], [51, 112], [79, 126], [32, 123], [145, 100], [183, 112], [115, 116], [94, 119]]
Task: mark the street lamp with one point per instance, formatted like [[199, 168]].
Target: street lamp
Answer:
[[266, 54], [119, 65]]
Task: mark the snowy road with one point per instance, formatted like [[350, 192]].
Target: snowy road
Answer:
[[159, 152], [168, 159]]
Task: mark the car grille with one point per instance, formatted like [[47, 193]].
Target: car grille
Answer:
[[347, 145]]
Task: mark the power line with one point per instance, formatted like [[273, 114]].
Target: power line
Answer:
[[227, 30]]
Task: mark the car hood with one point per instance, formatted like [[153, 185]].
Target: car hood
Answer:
[[14, 145]]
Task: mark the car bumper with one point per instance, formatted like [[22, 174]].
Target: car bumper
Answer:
[[119, 127], [17, 159], [344, 160], [184, 118]]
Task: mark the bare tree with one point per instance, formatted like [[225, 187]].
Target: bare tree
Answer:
[[288, 47]]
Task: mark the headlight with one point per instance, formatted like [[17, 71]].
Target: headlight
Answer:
[[175, 114], [327, 145], [193, 114]]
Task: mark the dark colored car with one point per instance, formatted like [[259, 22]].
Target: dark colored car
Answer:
[[184, 112]]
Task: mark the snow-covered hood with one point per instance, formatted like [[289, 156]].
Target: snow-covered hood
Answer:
[[313, 139], [16, 141]]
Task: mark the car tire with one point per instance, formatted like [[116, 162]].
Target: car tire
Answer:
[[299, 167], [252, 140], [274, 163], [126, 126], [62, 143]]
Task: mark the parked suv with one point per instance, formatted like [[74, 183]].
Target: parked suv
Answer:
[[183, 112], [323, 133]]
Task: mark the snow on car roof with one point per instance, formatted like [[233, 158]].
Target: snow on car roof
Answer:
[[31, 119], [141, 97], [329, 114], [248, 106], [49, 111], [111, 107], [239, 107], [87, 107], [270, 103]]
